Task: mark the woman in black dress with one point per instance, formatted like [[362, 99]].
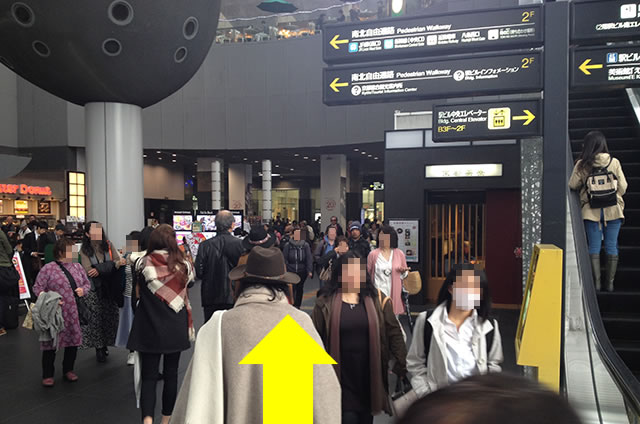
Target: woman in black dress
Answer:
[[162, 325], [360, 331]]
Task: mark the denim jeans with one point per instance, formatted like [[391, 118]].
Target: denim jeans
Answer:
[[595, 232]]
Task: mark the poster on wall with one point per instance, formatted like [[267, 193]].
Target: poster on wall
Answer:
[[20, 207], [23, 288], [408, 237], [44, 208]]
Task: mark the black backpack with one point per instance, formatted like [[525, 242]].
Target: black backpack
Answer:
[[602, 187], [428, 333]]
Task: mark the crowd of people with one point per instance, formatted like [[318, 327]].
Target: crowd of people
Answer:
[[97, 297]]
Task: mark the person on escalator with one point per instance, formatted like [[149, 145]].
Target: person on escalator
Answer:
[[601, 183]]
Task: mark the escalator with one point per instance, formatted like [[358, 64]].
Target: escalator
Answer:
[[612, 113], [602, 330]]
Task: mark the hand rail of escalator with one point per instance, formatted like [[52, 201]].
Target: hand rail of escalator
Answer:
[[621, 374]]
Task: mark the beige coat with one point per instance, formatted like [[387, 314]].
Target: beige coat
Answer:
[[577, 182], [243, 327]]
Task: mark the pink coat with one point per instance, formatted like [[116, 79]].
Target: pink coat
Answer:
[[399, 261]]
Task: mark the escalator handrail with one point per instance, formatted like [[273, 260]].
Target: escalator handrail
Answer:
[[621, 374]]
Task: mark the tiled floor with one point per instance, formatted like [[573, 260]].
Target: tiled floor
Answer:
[[104, 394]]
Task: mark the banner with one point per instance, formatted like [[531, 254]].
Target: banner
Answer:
[[408, 237], [23, 287]]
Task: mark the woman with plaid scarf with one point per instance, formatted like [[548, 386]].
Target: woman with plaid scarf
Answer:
[[163, 324]]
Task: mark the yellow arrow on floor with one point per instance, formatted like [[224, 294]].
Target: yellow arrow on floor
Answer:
[[335, 85], [335, 42], [585, 67], [287, 354], [528, 117]]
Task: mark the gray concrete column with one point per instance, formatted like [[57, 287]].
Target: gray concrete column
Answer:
[[239, 178], [333, 187], [216, 184], [115, 168], [267, 209]]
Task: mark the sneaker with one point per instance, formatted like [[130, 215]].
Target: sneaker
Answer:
[[3, 332], [48, 382], [71, 377], [131, 359]]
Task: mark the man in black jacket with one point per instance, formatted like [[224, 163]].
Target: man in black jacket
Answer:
[[216, 257], [358, 243]]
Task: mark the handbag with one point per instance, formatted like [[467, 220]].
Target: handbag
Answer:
[[325, 274], [402, 399], [28, 320], [84, 312], [413, 283]]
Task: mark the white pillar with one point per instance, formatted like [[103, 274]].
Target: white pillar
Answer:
[[115, 168], [267, 209], [333, 186], [216, 185]]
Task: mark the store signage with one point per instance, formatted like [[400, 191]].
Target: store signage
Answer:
[[44, 208], [377, 186], [424, 35], [618, 19], [464, 171], [508, 73], [408, 232], [25, 189], [606, 66], [20, 206], [487, 121]]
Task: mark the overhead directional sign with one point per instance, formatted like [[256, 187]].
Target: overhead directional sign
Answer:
[[478, 75], [609, 19], [423, 35], [606, 66], [487, 121]]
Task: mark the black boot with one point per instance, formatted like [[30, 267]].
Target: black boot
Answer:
[[597, 272], [100, 355], [612, 267]]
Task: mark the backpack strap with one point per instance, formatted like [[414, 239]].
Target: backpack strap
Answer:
[[428, 333]]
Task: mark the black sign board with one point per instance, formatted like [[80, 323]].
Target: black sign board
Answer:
[[487, 121], [606, 66], [424, 35], [478, 75], [605, 20]]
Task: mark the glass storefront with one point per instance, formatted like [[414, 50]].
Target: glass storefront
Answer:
[[285, 202]]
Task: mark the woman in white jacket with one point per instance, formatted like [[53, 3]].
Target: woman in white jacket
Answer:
[[461, 339]]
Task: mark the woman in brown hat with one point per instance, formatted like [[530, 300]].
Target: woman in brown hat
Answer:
[[216, 388], [361, 332]]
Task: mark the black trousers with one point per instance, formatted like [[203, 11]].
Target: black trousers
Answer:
[[298, 289], [150, 364], [49, 359], [351, 417], [209, 310]]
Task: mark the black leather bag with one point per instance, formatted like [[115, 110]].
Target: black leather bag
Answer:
[[84, 312]]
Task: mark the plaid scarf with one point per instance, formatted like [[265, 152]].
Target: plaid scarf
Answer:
[[167, 285]]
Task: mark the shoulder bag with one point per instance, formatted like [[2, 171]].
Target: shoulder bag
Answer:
[[84, 312]]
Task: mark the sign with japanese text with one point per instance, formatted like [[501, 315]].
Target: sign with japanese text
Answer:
[[606, 66], [408, 237], [508, 73], [605, 20], [23, 287], [487, 121], [423, 35]]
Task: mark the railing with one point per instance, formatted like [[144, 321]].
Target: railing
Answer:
[[604, 355]]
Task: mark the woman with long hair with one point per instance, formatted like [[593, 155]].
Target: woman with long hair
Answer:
[[360, 331], [458, 339], [387, 266], [101, 261], [163, 325], [600, 222]]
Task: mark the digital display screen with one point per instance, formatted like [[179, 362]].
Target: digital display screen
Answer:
[[182, 221]]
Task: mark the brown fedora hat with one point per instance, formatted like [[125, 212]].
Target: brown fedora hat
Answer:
[[264, 265]]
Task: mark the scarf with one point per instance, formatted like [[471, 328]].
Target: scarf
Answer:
[[375, 361], [168, 286]]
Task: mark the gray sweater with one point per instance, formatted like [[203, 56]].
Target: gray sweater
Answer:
[[47, 317]]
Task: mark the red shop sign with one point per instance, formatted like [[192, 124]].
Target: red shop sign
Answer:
[[25, 189]]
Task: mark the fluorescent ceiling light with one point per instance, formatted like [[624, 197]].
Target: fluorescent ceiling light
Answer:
[[464, 170]]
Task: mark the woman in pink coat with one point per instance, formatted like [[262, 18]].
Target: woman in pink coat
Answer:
[[387, 266], [52, 278]]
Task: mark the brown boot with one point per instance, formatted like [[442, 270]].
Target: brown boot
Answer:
[[612, 267], [597, 272]]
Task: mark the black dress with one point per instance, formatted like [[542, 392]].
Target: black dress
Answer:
[[354, 358], [156, 327]]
